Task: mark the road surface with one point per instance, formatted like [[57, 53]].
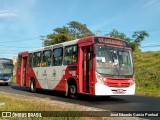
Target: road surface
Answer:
[[113, 103]]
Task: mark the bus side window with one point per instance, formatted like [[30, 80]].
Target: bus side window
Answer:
[[37, 59], [70, 55], [19, 61], [57, 56], [46, 60], [30, 60]]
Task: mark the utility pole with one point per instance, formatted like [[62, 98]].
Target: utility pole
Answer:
[[43, 40]]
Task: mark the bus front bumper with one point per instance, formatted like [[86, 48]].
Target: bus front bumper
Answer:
[[101, 89], [5, 79]]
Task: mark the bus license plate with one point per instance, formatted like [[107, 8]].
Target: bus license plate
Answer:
[[119, 90]]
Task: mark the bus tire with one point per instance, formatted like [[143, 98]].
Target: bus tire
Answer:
[[5, 84], [33, 86], [72, 91]]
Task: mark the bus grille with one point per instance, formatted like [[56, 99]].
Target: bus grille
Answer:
[[110, 84], [125, 84]]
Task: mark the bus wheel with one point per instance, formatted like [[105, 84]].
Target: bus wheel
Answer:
[[6, 84], [33, 86], [72, 91]]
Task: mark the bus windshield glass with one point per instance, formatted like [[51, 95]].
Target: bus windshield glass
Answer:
[[113, 61], [6, 67]]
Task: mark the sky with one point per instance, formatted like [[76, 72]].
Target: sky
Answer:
[[22, 22]]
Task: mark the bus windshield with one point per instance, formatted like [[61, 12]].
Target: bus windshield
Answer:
[[113, 61], [6, 67]]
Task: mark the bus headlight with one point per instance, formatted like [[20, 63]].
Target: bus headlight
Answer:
[[131, 82], [99, 78]]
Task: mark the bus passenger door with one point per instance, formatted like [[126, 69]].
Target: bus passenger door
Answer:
[[23, 71], [85, 69]]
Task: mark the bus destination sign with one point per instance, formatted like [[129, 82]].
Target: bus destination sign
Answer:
[[111, 41]]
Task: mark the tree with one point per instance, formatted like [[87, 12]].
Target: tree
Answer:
[[116, 34], [137, 38], [59, 35], [74, 30], [79, 30]]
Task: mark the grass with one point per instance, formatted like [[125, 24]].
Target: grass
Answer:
[[17, 104], [147, 73], [14, 79], [22, 105]]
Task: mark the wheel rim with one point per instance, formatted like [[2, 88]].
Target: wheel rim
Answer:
[[72, 89], [31, 86]]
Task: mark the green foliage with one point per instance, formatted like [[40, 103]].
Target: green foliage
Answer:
[[116, 34], [13, 79], [59, 35], [137, 38], [147, 73], [133, 46], [78, 30], [73, 30]]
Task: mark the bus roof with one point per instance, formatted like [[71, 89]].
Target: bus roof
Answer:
[[4, 60], [72, 42]]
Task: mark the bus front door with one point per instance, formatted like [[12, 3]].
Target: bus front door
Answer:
[[24, 71], [85, 67]]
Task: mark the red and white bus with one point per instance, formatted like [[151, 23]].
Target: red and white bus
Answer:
[[95, 65]]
